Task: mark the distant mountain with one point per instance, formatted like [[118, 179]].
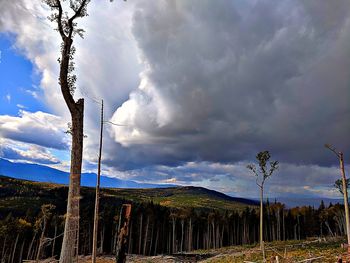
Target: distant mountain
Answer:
[[42, 173]]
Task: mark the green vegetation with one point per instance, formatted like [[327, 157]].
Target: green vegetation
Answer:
[[20, 195], [184, 197]]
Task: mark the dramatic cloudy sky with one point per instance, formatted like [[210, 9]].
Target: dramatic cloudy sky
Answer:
[[199, 86]]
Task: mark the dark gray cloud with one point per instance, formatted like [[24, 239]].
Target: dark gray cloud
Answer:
[[223, 80]]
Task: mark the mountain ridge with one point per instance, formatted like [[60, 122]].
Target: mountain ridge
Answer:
[[43, 173]]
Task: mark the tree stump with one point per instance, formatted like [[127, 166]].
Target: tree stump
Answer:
[[123, 233]]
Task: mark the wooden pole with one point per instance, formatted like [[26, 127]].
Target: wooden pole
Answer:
[[123, 234], [97, 200], [346, 204]]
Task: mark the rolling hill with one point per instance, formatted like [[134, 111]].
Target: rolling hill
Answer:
[[19, 195]]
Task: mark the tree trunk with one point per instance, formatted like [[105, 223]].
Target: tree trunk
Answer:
[[173, 241], [146, 236], [182, 234], [329, 228], [156, 242], [130, 240], [261, 221], [54, 241], [190, 232], [41, 239], [102, 237], [3, 249], [30, 247], [123, 234], [284, 226], [14, 249], [151, 242], [140, 236], [71, 228], [21, 252]]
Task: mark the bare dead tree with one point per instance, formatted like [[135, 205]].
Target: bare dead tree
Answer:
[[344, 189], [264, 173], [46, 214], [67, 28]]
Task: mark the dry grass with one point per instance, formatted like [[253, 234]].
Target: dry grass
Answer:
[[288, 252]]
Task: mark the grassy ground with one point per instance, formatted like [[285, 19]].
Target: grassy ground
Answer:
[[290, 251]]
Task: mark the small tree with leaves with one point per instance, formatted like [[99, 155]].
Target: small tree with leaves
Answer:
[[265, 170], [67, 28]]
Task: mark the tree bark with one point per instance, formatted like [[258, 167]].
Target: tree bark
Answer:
[[71, 228], [123, 234]]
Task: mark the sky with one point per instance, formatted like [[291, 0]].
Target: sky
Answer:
[[199, 87]]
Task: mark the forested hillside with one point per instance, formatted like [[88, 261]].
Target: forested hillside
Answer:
[[163, 220]]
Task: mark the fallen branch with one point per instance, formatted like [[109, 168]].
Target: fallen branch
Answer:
[[310, 259]]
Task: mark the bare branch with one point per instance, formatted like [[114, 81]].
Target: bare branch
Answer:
[[256, 181], [331, 148], [116, 124], [253, 169]]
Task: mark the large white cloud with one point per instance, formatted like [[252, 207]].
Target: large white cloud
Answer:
[[26, 152], [38, 128]]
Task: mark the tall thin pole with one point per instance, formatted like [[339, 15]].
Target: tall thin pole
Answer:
[[345, 191], [97, 200]]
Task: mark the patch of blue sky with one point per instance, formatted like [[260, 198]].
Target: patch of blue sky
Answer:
[[19, 82], [62, 155]]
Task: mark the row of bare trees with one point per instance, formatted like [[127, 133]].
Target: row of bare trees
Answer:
[[155, 229]]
